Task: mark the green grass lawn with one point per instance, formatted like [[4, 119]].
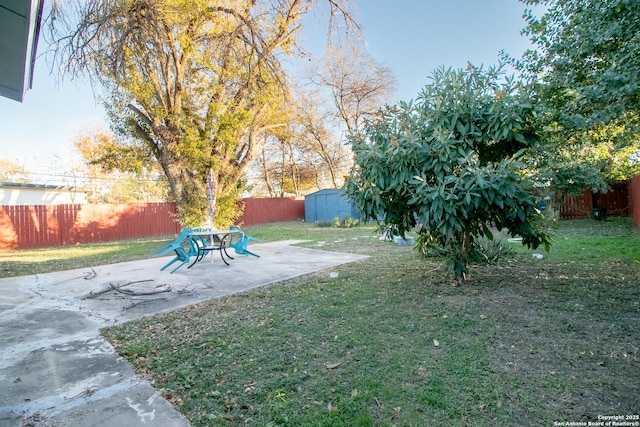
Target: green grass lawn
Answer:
[[37, 261], [392, 341]]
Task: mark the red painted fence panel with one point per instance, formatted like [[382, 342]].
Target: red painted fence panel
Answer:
[[267, 210], [26, 227]]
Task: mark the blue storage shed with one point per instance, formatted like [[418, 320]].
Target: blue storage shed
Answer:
[[327, 204]]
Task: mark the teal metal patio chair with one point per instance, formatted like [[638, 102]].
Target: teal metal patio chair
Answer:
[[239, 242], [184, 248]]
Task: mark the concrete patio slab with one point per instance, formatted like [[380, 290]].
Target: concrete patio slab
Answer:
[[56, 369]]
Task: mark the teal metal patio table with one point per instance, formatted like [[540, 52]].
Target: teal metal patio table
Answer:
[[209, 240]]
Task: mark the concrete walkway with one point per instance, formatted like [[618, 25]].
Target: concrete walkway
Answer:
[[56, 369]]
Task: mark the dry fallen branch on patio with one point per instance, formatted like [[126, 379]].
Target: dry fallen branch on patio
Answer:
[[145, 301], [118, 288], [136, 293]]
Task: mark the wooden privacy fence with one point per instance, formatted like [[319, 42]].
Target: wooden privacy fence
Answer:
[[267, 210], [26, 227], [619, 201]]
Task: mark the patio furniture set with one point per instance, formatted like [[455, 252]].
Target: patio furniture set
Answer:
[[192, 245]]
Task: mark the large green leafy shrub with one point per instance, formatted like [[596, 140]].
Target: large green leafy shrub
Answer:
[[448, 165]]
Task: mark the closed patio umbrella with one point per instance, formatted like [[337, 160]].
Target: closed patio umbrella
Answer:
[[211, 195]]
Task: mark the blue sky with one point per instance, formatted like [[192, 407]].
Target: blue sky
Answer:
[[412, 37]]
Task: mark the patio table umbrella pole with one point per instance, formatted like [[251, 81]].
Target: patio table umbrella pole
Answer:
[[211, 195]]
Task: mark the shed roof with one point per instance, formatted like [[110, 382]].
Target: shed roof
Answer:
[[325, 191]]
